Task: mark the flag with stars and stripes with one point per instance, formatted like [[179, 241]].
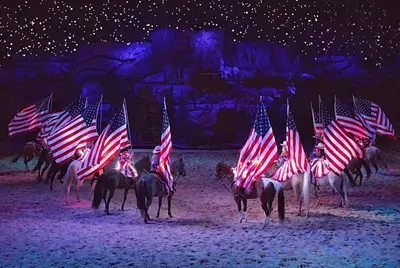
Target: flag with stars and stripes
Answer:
[[259, 151], [75, 134], [297, 159], [340, 148], [350, 121], [31, 118], [59, 119], [318, 127], [113, 138], [166, 148], [374, 116]]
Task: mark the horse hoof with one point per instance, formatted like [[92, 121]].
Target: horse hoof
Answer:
[[158, 216], [61, 181], [170, 215]]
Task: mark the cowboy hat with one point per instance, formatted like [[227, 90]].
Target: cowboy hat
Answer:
[[157, 149], [320, 146], [284, 143]]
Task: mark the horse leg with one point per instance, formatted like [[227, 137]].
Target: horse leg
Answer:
[[148, 204], [125, 197], [46, 166], [108, 201], [105, 198], [169, 206], [159, 205], [361, 177], [264, 206], [376, 167], [78, 185], [26, 161], [92, 191], [239, 206], [316, 188], [245, 209]]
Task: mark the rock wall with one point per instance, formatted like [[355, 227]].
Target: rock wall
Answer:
[[212, 84]]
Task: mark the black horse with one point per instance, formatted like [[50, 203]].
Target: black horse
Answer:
[[111, 181]]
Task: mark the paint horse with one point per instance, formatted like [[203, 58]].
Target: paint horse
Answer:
[[299, 183], [265, 189]]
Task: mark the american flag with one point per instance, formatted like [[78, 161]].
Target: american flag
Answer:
[[74, 135], [126, 166], [259, 151], [297, 159], [113, 138], [339, 147], [350, 121], [166, 147], [374, 116], [31, 118], [318, 127], [59, 119], [319, 167]]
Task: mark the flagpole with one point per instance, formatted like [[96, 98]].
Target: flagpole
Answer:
[[127, 121], [80, 98], [354, 102], [334, 105], [101, 113], [313, 115], [319, 108], [50, 102]]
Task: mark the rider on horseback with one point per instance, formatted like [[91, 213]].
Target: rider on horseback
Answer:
[[284, 156], [155, 168]]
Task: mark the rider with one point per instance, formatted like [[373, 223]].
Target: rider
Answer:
[[155, 167], [126, 165], [284, 156], [319, 152]]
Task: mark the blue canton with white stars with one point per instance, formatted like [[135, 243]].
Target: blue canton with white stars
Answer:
[[262, 125], [290, 122], [90, 113], [118, 120], [326, 117], [363, 106], [75, 108], [165, 123], [342, 109], [42, 105]]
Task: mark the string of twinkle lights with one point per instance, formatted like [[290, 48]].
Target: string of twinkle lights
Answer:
[[315, 28]]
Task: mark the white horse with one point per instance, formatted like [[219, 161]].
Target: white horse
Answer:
[[374, 155], [338, 183]]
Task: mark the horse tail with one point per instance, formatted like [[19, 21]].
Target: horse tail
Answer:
[[98, 192], [306, 189], [345, 186], [14, 160], [140, 194], [281, 204]]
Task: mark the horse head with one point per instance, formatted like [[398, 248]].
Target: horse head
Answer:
[[223, 171]]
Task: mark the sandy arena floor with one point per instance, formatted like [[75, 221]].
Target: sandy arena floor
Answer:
[[38, 230]]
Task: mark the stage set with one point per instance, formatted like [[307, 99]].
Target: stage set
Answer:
[[199, 134]]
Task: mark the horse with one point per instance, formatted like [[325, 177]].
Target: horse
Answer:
[[47, 158], [111, 181], [75, 165], [354, 167], [54, 168], [338, 183], [31, 149], [150, 185], [299, 183], [265, 189], [374, 156]]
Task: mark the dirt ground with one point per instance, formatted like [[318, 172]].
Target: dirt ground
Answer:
[[38, 230]]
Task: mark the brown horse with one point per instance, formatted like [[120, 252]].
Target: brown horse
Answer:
[[31, 149], [265, 189], [47, 158], [150, 185]]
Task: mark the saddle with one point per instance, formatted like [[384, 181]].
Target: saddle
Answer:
[[159, 176]]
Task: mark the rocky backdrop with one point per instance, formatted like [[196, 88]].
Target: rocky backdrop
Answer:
[[211, 83]]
